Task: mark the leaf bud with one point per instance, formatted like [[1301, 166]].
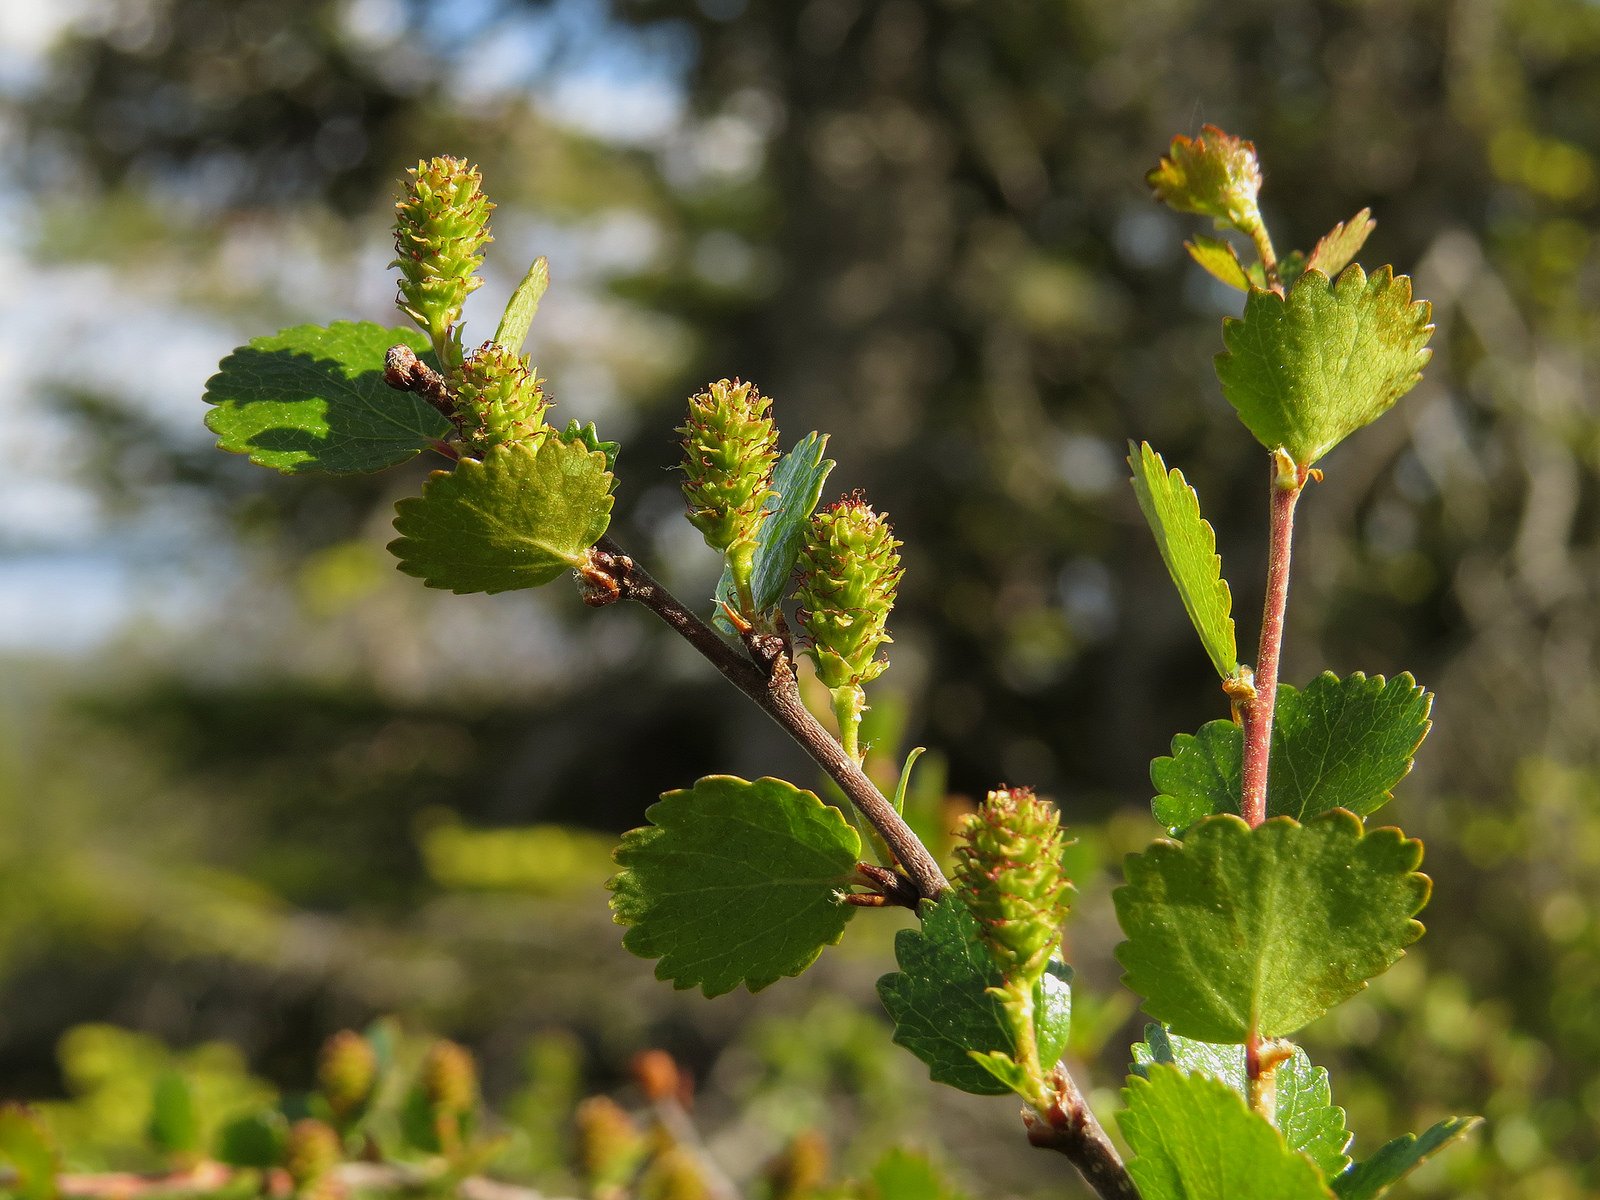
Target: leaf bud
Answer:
[[849, 571], [1008, 870], [1215, 175], [609, 1144], [449, 1080], [499, 399], [729, 447], [441, 228], [674, 1174], [312, 1152], [347, 1072]]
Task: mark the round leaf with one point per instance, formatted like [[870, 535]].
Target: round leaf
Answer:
[[735, 882], [1234, 930], [1305, 372], [1194, 1138], [517, 519], [313, 398]]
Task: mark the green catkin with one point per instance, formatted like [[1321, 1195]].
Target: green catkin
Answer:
[[499, 399], [441, 228], [849, 573], [729, 447], [1008, 870]]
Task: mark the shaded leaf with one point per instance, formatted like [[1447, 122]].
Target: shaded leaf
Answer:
[[1337, 248], [1189, 548], [1338, 743], [1194, 1138], [1307, 371], [797, 481], [734, 882], [313, 398], [1306, 1114], [1236, 931], [1397, 1159], [517, 519], [28, 1151], [1220, 259], [524, 302], [256, 1140], [941, 1008]]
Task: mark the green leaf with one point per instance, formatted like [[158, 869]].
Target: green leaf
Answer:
[[1397, 1159], [1339, 246], [904, 1175], [313, 399], [524, 302], [1339, 743], [797, 486], [1194, 1138], [735, 882], [174, 1123], [519, 518], [1220, 259], [1307, 371], [256, 1140], [1189, 548], [27, 1150], [941, 1007], [1235, 931], [588, 437], [1306, 1114]]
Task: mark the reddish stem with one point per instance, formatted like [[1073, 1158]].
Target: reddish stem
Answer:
[[1287, 485]]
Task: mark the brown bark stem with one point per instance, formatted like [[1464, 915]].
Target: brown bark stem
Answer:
[[1070, 1129], [1286, 489], [767, 677]]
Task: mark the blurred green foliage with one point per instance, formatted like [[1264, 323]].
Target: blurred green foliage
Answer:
[[921, 225]]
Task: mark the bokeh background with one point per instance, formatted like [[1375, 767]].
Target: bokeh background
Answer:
[[256, 786]]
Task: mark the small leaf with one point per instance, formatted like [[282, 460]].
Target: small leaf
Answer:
[[27, 1150], [1235, 931], [1006, 1070], [1339, 743], [314, 399], [1220, 259], [256, 1140], [174, 1123], [1305, 372], [1194, 1138], [517, 519], [524, 302], [734, 882], [1397, 1159], [1189, 548], [941, 1007], [1339, 246], [1306, 1114], [588, 437], [797, 481]]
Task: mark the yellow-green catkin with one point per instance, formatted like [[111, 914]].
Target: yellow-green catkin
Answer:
[[449, 1079], [674, 1174], [729, 447], [799, 1172], [610, 1145], [312, 1153], [1008, 870], [499, 399], [441, 228], [347, 1073]]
